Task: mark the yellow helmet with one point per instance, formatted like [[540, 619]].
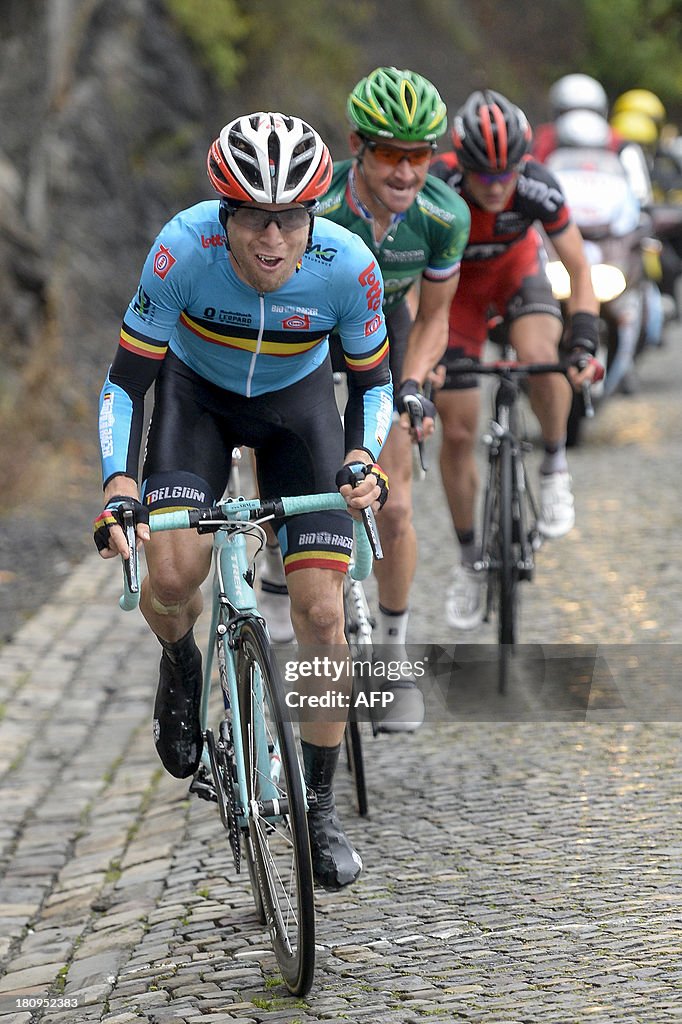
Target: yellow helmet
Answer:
[[640, 101], [635, 127]]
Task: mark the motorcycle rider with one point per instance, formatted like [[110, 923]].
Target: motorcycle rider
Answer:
[[569, 93]]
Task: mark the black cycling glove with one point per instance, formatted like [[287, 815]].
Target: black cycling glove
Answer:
[[354, 473], [410, 390], [112, 515]]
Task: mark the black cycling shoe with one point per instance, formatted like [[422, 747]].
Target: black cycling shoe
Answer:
[[177, 728], [335, 862]]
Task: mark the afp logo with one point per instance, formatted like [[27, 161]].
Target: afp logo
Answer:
[[296, 323]]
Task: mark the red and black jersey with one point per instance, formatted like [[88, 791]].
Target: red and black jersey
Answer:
[[537, 198]]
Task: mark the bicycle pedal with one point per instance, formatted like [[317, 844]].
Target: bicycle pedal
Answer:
[[204, 789]]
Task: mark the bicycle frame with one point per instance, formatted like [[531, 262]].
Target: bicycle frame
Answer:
[[233, 598], [504, 427]]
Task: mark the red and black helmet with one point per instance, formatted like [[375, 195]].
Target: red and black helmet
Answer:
[[490, 134]]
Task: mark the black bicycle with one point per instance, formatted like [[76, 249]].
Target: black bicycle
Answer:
[[509, 531]]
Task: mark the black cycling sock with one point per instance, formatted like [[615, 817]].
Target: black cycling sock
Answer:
[[468, 548], [335, 862]]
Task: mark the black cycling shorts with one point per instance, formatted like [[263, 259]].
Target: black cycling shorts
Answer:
[[298, 439]]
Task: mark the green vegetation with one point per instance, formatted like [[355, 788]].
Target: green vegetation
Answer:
[[296, 51], [215, 34], [635, 44]]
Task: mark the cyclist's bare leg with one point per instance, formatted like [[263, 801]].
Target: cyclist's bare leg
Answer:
[[396, 571], [317, 615], [536, 340], [171, 602], [178, 562], [459, 413]]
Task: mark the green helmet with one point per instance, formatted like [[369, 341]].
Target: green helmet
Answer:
[[396, 104]]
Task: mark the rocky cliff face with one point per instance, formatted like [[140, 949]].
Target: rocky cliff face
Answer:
[[106, 122]]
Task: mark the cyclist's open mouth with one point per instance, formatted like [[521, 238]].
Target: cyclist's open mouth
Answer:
[[268, 261]]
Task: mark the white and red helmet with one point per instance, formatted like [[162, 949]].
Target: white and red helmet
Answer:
[[269, 158]]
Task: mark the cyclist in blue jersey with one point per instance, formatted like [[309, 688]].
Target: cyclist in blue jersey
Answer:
[[230, 322]]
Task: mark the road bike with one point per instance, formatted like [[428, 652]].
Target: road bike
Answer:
[[509, 532], [250, 761]]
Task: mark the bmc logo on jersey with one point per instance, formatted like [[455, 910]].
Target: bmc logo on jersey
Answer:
[[369, 278], [372, 325], [296, 323], [163, 261]]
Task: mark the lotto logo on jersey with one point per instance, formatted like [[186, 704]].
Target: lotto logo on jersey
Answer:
[[368, 279], [372, 325], [296, 323], [163, 261]]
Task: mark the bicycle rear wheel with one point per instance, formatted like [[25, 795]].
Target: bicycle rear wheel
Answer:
[[277, 818], [508, 574]]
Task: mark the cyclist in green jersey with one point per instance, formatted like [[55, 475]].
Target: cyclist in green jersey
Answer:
[[417, 228]]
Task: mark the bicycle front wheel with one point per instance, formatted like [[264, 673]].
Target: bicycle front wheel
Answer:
[[276, 811], [508, 574], [359, 638]]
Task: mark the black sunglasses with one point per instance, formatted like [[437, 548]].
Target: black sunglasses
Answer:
[[254, 218]]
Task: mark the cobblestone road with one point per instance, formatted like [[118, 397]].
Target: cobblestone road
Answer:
[[516, 870]]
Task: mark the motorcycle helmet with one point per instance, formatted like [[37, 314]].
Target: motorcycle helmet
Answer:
[[395, 104], [577, 92], [269, 158], [582, 128], [635, 127], [490, 133], [640, 101]]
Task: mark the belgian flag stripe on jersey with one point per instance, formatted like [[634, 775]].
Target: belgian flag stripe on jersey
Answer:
[[370, 360], [278, 343], [135, 342]]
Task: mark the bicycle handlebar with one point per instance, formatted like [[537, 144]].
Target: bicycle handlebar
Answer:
[[507, 369], [248, 510]]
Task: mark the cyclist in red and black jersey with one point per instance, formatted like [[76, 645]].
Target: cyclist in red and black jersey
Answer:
[[503, 273]]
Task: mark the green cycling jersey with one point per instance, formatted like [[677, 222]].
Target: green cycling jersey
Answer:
[[426, 241]]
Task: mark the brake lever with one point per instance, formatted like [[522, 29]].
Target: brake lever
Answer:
[[370, 524], [130, 564], [416, 414]]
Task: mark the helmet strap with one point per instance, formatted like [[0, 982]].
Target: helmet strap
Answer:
[[223, 217]]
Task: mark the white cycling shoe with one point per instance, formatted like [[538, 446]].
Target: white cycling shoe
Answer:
[[464, 599], [557, 505]]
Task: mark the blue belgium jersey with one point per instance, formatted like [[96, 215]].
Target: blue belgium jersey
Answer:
[[191, 300]]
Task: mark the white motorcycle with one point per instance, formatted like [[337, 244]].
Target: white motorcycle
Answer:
[[625, 265]]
